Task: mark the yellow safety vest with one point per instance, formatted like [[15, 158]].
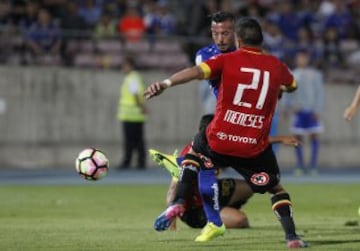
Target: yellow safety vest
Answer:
[[128, 110]]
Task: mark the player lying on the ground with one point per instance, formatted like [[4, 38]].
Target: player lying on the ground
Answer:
[[233, 193]]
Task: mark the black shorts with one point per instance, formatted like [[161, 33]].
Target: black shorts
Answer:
[[260, 172], [195, 217]]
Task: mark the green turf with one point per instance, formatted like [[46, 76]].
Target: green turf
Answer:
[[120, 217]]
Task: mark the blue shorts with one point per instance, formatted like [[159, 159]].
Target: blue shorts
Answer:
[[305, 123]]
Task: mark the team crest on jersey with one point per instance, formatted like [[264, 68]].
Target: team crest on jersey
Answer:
[[260, 179], [207, 162]]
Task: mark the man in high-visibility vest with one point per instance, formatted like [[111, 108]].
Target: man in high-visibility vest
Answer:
[[132, 114]]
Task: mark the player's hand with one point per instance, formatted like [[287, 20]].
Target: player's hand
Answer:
[[290, 140], [349, 113], [154, 89]]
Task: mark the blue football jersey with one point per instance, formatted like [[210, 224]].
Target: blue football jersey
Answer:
[[206, 53]]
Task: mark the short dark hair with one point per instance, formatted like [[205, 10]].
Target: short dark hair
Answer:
[[222, 16], [205, 121], [249, 31]]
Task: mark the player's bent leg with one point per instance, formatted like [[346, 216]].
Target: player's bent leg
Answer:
[[166, 161], [165, 219], [234, 218], [282, 207], [210, 231], [187, 177]]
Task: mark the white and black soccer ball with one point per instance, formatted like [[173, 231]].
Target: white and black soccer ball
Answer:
[[92, 164]]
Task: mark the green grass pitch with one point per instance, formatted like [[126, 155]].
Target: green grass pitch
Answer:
[[120, 217]]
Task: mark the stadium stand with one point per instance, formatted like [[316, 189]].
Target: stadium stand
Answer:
[[175, 48]]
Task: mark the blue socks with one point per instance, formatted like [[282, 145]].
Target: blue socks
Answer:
[[209, 190], [299, 157], [315, 144], [314, 152]]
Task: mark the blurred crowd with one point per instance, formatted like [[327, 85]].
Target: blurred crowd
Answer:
[[42, 29]]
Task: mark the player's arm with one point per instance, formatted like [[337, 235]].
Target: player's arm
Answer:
[[289, 88], [205, 70], [351, 110], [288, 82], [178, 78], [286, 140]]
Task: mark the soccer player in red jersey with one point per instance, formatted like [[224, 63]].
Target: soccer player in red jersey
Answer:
[[233, 193], [238, 136]]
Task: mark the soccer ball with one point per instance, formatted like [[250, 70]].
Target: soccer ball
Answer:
[[92, 164]]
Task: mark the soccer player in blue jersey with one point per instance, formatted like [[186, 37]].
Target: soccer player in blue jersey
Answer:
[[223, 35]]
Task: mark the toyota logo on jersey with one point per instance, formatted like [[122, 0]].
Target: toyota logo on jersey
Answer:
[[221, 135], [260, 179]]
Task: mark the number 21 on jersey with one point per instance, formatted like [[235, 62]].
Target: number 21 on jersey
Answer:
[[253, 86]]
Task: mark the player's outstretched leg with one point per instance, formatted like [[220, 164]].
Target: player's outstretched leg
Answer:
[[164, 220], [166, 161], [210, 231], [185, 183]]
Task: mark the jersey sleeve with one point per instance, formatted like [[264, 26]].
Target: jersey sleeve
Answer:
[[287, 79], [212, 68], [198, 58]]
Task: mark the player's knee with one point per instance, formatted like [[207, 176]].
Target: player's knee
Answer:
[[278, 189], [236, 219], [241, 221]]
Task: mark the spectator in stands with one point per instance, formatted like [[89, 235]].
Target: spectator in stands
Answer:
[[253, 9], [73, 28], [326, 8], [307, 42], [43, 38], [288, 20], [149, 18], [274, 40], [193, 22], [73, 21], [56, 8], [340, 19], [6, 20], [131, 25], [164, 22], [106, 28], [332, 55], [17, 10], [91, 12], [31, 15], [158, 20]]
